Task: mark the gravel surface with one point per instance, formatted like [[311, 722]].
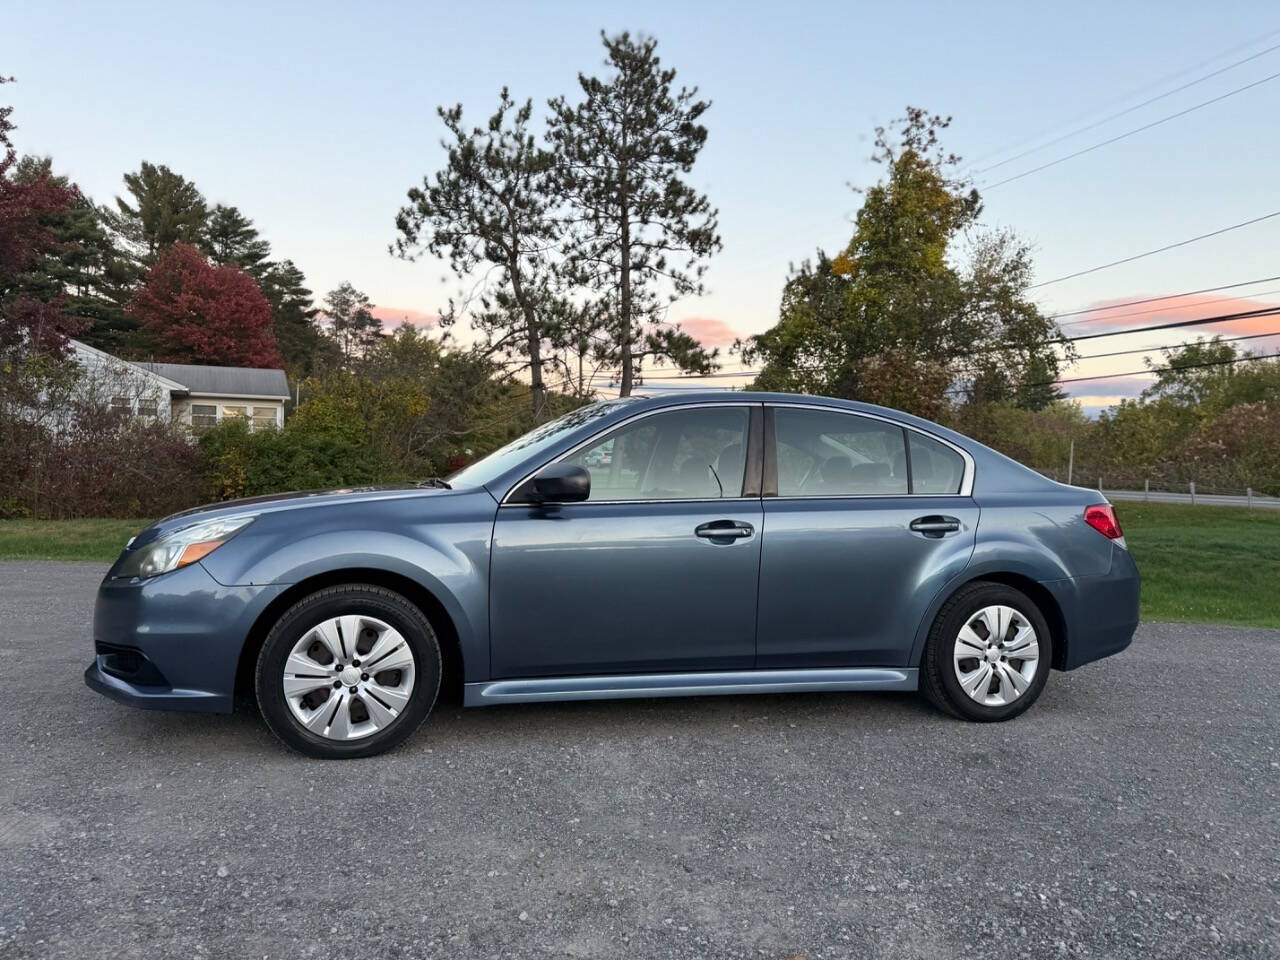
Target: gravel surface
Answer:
[[1132, 813]]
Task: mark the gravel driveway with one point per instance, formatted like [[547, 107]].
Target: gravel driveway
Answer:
[[1132, 813]]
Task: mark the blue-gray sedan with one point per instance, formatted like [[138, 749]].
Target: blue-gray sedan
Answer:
[[714, 543]]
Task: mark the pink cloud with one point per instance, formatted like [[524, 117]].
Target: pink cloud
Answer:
[[709, 331], [392, 317], [1111, 389], [1171, 310]]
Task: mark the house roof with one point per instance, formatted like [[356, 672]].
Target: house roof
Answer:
[[224, 381]]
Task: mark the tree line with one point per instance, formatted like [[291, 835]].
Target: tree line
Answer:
[[570, 230]]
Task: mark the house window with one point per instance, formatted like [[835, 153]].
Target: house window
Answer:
[[204, 415], [147, 406], [264, 418], [121, 405]]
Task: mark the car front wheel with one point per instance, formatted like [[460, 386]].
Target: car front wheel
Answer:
[[988, 654], [349, 671]]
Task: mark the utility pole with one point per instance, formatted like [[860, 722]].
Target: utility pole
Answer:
[[1071, 460]]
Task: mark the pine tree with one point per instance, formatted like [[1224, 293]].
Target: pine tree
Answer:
[[166, 208], [640, 234], [491, 205], [351, 321], [302, 344], [88, 266], [231, 239]]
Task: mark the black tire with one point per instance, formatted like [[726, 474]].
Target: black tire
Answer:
[[938, 681], [354, 598]]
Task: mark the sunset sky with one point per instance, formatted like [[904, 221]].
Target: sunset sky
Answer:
[[315, 119]]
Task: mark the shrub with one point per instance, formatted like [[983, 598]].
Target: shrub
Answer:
[[244, 464], [99, 464]]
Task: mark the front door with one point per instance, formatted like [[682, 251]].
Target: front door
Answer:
[[864, 523], [656, 572]]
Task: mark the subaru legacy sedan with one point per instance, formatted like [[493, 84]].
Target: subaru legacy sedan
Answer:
[[717, 543]]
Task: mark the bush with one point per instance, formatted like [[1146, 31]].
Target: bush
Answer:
[[1238, 449], [99, 465], [244, 464]]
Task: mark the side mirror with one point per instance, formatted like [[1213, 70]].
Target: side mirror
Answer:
[[559, 483]]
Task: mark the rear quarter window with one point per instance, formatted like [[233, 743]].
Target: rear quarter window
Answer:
[[935, 467]]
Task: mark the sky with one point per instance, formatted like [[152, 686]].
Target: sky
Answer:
[[315, 119]]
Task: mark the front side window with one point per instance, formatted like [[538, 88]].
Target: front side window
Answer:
[[234, 411], [122, 405], [829, 454], [694, 454], [540, 438], [147, 406]]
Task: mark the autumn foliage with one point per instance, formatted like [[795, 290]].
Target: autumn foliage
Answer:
[[31, 311], [191, 311]]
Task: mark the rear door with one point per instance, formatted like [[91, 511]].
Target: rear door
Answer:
[[865, 520], [656, 572]]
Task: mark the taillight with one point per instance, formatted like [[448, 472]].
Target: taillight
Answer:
[[1102, 517]]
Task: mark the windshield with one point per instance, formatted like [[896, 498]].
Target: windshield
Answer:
[[527, 445]]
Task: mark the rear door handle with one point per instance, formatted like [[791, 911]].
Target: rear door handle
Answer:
[[723, 531], [934, 526]]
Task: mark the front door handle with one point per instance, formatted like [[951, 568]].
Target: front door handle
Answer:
[[935, 527], [723, 531]]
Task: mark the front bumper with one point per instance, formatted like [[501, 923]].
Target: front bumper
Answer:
[[173, 642], [151, 697]]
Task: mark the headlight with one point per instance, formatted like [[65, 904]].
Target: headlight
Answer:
[[181, 547]]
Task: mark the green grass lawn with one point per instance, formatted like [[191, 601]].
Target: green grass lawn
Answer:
[[99, 541], [1206, 564], [1199, 564]]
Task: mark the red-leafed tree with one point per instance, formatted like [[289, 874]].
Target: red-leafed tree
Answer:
[[190, 311], [33, 316]]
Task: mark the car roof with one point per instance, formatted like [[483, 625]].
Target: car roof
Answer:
[[683, 397]]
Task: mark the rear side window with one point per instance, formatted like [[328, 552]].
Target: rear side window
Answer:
[[935, 467], [827, 454]]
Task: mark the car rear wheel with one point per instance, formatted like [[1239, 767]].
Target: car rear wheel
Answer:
[[988, 654], [349, 671]]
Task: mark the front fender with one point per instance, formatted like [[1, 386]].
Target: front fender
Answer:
[[447, 554]]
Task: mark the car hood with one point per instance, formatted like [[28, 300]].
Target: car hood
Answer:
[[275, 502]]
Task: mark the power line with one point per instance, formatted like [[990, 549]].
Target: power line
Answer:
[[1151, 253], [1169, 309], [1159, 81], [1184, 366], [1130, 133], [1171, 296], [1127, 110], [1200, 321], [1124, 353], [1176, 324]]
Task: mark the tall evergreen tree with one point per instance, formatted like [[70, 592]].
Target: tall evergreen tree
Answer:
[[639, 233], [165, 208], [231, 239], [351, 321], [491, 205], [34, 319], [94, 274], [302, 344]]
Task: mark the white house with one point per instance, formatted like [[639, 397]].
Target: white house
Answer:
[[194, 394]]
